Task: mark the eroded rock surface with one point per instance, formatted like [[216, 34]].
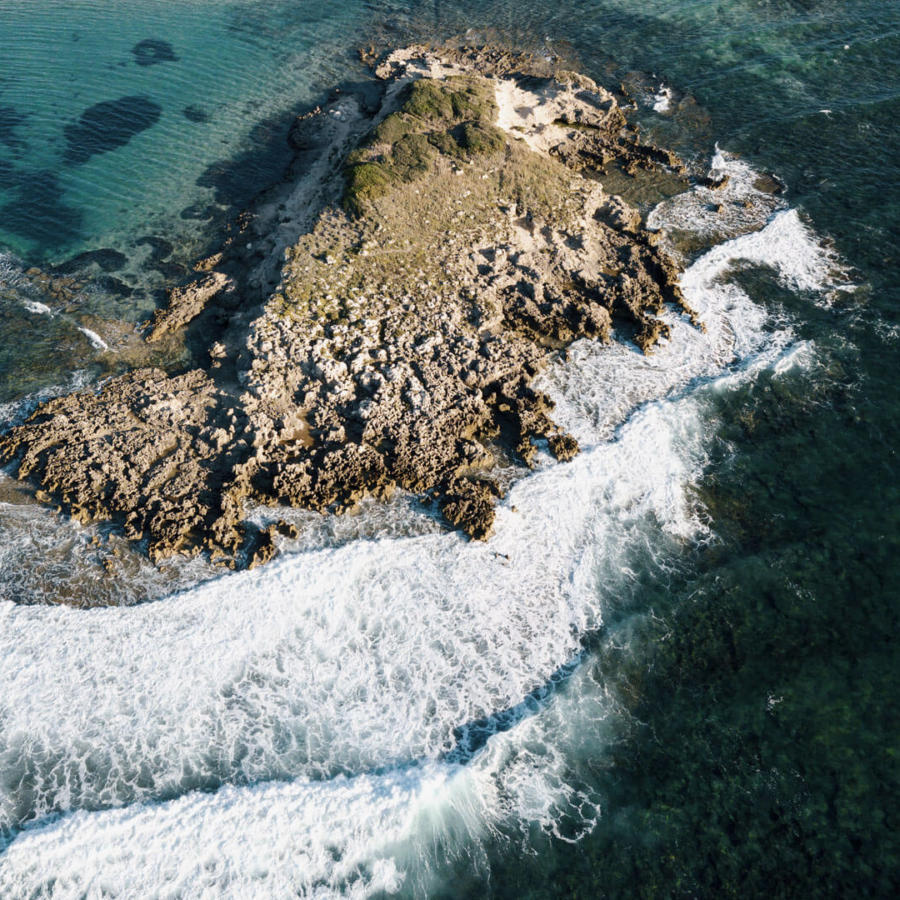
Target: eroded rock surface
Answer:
[[187, 302], [464, 238]]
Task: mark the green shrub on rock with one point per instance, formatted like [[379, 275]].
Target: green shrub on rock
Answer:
[[453, 117]]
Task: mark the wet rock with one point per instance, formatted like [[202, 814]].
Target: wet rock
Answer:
[[769, 184], [287, 529], [262, 547], [468, 504], [139, 452], [209, 263], [563, 446]]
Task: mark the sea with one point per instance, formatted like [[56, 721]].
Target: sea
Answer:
[[672, 671]]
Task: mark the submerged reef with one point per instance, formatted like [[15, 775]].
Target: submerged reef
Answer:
[[377, 320], [107, 126], [151, 52], [10, 121]]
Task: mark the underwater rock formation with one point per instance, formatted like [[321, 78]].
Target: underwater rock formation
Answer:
[[152, 51], [108, 125]]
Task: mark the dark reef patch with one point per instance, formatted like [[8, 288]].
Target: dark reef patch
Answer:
[[10, 120], [171, 271], [160, 251], [160, 248], [38, 211], [107, 259], [195, 114], [151, 51], [107, 126], [113, 286], [8, 176]]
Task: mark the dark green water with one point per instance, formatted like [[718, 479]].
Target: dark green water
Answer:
[[762, 757], [756, 749], [713, 790]]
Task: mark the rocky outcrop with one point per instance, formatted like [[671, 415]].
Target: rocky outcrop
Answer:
[[465, 238], [147, 450], [187, 302]]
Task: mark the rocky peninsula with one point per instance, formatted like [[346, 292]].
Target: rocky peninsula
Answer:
[[376, 322]]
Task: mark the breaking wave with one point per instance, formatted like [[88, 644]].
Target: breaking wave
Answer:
[[347, 717]]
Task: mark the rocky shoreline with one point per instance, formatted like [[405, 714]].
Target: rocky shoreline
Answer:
[[376, 322]]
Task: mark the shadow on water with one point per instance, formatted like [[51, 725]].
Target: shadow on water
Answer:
[[236, 180], [108, 125], [269, 156], [241, 182]]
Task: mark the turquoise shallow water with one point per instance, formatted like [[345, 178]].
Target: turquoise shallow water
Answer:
[[749, 740], [231, 67]]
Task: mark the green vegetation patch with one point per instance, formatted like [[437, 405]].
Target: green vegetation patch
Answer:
[[469, 140], [365, 182], [412, 156], [440, 104], [453, 118]]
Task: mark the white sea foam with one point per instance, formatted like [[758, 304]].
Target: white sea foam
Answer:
[[359, 664], [600, 386], [662, 100], [341, 660], [735, 207], [10, 271], [786, 245], [448, 633], [13, 281], [347, 677], [94, 338], [33, 306], [349, 836], [50, 558]]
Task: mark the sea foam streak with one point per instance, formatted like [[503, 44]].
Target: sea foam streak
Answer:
[[352, 673], [95, 339]]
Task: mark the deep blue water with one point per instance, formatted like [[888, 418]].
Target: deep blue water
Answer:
[[756, 743]]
